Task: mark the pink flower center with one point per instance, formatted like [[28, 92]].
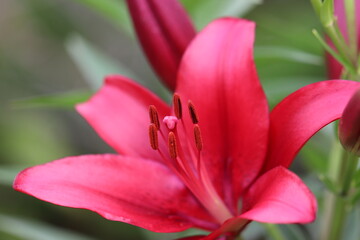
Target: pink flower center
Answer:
[[183, 154]]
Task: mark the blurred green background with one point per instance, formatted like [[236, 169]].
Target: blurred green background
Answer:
[[55, 53]]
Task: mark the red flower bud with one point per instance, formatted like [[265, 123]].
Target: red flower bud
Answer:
[[349, 127], [164, 31], [334, 68]]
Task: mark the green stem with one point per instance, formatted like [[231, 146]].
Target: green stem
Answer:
[[335, 205], [341, 170], [351, 26], [338, 40], [274, 231], [339, 58], [338, 216], [317, 4], [352, 162]]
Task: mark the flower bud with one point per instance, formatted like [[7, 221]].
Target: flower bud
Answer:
[[334, 68], [349, 127], [164, 31]]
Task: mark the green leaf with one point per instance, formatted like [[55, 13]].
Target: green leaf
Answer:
[[113, 10], [274, 231], [277, 88], [203, 11], [30, 230], [293, 232], [61, 100], [254, 230], [281, 52], [8, 174], [93, 64]]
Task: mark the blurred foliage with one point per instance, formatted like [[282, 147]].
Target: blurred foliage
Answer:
[[57, 52]]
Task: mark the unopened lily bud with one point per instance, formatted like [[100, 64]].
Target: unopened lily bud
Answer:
[[349, 127], [164, 30], [334, 68]]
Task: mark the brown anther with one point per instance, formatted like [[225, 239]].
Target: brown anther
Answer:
[[154, 116], [153, 136], [172, 145], [193, 114], [177, 106], [197, 136]]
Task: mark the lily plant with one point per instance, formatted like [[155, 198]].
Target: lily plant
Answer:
[[216, 159], [348, 22]]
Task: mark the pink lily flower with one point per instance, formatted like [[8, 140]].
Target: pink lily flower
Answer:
[[216, 160], [164, 31], [333, 66]]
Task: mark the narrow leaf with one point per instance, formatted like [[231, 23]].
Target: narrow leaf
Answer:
[[113, 10], [287, 54], [28, 230], [61, 100]]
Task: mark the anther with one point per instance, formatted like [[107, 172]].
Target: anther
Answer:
[[177, 106], [197, 136], [153, 136], [193, 114], [154, 116], [172, 145]]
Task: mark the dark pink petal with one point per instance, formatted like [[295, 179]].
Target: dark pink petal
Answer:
[[131, 190], [218, 75], [349, 126], [119, 113], [334, 68], [164, 31], [300, 115], [279, 196]]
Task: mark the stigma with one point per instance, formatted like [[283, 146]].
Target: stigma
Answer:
[[170, 122]]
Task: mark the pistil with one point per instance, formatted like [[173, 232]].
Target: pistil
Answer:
[[187, 164]]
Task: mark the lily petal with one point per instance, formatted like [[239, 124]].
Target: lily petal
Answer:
[[164, 31], [119, 114], [279, 196], [218, 75], [301, 114], [131, 190]]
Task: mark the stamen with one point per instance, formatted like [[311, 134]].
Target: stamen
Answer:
[[153, 136], [197, 136], [170, 122], [172, 145], [177, 106], [154, 116], [193, 114]]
